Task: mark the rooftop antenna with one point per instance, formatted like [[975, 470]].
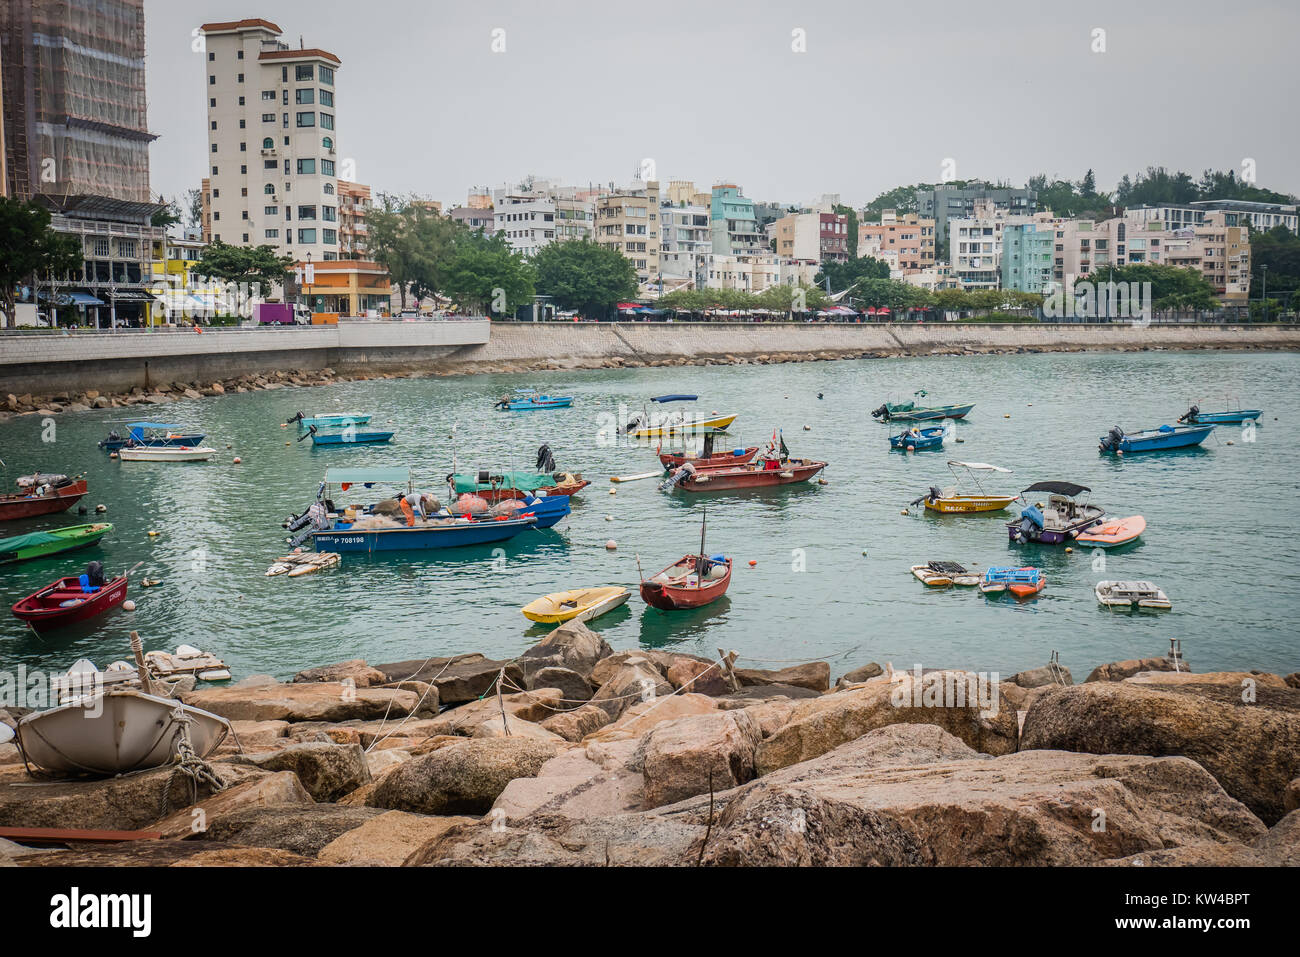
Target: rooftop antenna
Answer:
[[301, 45]]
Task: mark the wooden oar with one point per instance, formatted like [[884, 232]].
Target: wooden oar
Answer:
[[635, 478]]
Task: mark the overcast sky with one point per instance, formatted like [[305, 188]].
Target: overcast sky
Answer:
[[711, 91]]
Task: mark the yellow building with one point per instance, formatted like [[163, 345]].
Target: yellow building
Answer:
[[348, 287]]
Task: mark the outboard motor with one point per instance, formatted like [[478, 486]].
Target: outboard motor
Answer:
[[545, 460], [935, 494], [1191, 414], [881, 413], [1111, 440], [677, 477], [633, 423], [95, 574], [297, 418]]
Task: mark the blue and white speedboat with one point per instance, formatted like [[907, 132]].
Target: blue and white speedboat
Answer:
[[1154, 440], [918, 440], [525, 400], [1194, 416], [152, 435]]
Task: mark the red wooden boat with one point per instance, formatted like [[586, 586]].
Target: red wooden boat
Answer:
[[66, 602], [493, 496], [44, 495], [760, 474], [692, 582], [718, 460]]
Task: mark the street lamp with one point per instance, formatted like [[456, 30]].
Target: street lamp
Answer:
[[1263, 296]]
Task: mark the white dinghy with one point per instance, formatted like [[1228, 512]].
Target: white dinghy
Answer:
[[167, 453]]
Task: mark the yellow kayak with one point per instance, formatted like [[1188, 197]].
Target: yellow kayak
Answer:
[[715, 422], [580, 604]]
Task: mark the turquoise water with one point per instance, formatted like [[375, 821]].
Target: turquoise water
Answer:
[[831, 579]]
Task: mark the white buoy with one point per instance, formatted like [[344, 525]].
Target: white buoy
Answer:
[[101, 508], [609, 518], [807, 428], [613, 491], [128, 605], [238, 460], [611, 545]]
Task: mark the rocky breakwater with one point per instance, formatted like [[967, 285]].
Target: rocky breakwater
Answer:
[[575, 754]]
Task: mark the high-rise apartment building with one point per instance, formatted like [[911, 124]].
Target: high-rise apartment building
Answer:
[[272, 140], [628, 220], [76, 140]]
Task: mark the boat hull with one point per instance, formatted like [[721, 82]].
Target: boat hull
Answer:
[[115, 732], [1225, 418], [927, 439], [45, 610], [750, 476], [1113, 534], [1154, 440], [927, 415], [717, 460], [527, 405], [73, 537], [547, 610], [670, 597], [714, 423], [419, 537], [568, 489], [333, 420], [169, 454], [549, 510], [355, 438], [960, 504], [113, 445], [60, 500]]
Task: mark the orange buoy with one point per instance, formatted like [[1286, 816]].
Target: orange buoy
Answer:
[[752, 563]]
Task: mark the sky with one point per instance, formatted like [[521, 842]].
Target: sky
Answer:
[[790, 100]]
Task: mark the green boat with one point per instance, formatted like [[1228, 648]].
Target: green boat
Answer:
[[39, 544], [917, 412]]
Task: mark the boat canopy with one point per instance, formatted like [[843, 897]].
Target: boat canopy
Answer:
[[979, 466], [154, 425], [1068, 489], [468, 482], [31, 539], [372, 476], [675, 397]]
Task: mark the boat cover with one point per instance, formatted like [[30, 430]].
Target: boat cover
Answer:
[[29, 540], [979, 466], [362, 476], [1068, 489], [523, 481]]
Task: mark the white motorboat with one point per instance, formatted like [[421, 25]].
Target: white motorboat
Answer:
[[1136, 594], [114, 732], [167, 453]]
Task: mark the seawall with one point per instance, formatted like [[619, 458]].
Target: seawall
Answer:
[[50, 365]]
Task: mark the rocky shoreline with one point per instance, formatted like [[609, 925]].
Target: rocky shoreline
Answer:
[[57, 402], [574, 754]]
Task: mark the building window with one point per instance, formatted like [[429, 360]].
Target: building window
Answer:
[[239, 55], [214, 147], [241, 78], [212, 79], [269, 189], [305, 72], [307, 119], [306, 212], [243, 123], [212, 57], [327, 143], [245, 237], [273, 234], [327, 213], [307, 236], [327, 167], [268, 95], [329, 189], [268, 143], [243, 147], [329, 237], [306, 167], [305, 96], [327, 121], [327, 75], [213, 102], [268, 164], [326, 98], [271, 210], [243, 171], [284, 74], [268, 117], [285, 122], [101, 248]]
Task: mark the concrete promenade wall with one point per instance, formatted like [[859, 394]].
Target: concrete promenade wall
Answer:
[[119, 362], [46, 364]]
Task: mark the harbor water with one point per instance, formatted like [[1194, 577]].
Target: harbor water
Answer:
[[830, 579]]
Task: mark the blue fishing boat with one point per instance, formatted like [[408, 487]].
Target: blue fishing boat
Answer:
[[348, 436], [1194, 416], [674, 397], [525, 400], [333, 419], [152, 435], [447, 533], [918, 440], [549, 510], [1154, 440]]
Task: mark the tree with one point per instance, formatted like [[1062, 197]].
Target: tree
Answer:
[[30, 249], [412, 242], [483, 274], [843, 275], [168, 215], [244, 265], [1172, 288], [1275, 254], [193, 209], [852, 226], [583, 275]]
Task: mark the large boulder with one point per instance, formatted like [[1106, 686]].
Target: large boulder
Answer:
[[1241, 680], [1033, 808], [458, 679], [356, 669], [572, 645], [529, 706], [573, 687], [640, 717], [577, 724], [280, 788], [299, 829], [815, 676], [328, 771], [953, 700], [1040, 677], [387, 839], [582, 782], [1119, 670], [859, 675], [697, 754], [697, 676], [464, 777], [636, 680], [324, 701], [1252, 748]]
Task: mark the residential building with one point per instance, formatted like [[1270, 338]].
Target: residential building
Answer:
[[735, 227], [272, 140], [1027, 257], [76, 140], [1083, 247], [345, 288], [685, 235], [751, 273], [975, 243], [1260, 216], [910, 236], [354, 206], [475, 217], [950, 201], [682, 192], [527, 221], [934, 278], [812, 237], [628, 220]]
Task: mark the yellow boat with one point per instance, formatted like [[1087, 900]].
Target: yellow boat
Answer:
[[714, 422], [950, 501], [580, 604]]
